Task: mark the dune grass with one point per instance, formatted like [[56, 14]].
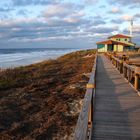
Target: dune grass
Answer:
[[35, 100]]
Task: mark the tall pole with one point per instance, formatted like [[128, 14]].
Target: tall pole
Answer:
[[131, 27]]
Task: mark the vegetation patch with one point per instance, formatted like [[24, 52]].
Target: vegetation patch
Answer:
[[42, 101]]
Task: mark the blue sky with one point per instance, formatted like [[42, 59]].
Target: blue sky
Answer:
[[65, 23]]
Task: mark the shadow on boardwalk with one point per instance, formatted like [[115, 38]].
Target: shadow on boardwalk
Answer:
[[117, 109]]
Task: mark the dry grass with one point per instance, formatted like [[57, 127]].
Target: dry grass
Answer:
[[35, 99]]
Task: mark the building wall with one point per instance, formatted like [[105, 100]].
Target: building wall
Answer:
[[118, 48], [110, 47], [106, 47], [115, 48], [129, 48], [102, 47], [122, 39]]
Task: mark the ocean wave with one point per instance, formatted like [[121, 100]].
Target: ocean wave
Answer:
[[22, 59]]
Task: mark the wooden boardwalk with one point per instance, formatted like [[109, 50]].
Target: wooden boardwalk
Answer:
[[117, 107]]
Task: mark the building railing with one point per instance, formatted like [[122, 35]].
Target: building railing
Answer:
[[131, 71], [84, 123]]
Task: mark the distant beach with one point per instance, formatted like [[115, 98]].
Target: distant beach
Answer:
[[10, 58]]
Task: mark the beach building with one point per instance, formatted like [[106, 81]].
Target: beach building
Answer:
[[116, 43]]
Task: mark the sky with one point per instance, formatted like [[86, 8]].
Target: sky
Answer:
[[65, 23]]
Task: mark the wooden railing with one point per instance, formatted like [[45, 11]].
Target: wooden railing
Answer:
[[130, 70], [84, 123]]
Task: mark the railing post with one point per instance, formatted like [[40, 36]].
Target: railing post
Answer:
[[125, 72], [136, 83], [129, 75], [112, 61], [90, 118], [118, 65], [115, 63], [137, 74], [126, 76], [121, 67]]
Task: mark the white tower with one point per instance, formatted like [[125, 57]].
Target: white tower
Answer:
[[131, 28]]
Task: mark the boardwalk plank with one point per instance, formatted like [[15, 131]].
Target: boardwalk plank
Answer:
[[117, 109]]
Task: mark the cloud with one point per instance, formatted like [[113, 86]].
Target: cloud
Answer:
[[60, 14], [115, 10], [136, 29], [6, 9], [127, 17], [71, 20], [23, 12], [37, 30], [63, 10], [33, 30], [98, 22], [32, 2], [117, 21], [58, 10], [18, 22], [102, 29], [102, 6], [59, 20], [136, 33], [91, 1], [75, 17], [136, 16], [125, 2]]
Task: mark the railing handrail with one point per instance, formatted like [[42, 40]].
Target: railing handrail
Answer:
[[84, 123], [127, 69]]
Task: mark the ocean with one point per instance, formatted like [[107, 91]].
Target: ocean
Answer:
[[13, 57]]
